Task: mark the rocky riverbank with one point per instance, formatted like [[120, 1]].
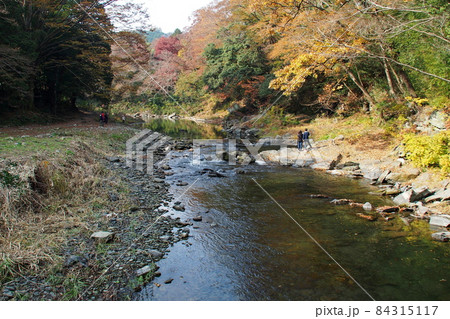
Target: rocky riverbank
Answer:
[[108, 249]]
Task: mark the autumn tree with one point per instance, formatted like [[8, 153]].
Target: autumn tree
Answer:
[[235, 67]]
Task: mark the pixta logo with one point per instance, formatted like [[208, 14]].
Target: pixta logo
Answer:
[[141, 148]]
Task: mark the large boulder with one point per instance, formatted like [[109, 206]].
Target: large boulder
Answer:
[[405, 175]]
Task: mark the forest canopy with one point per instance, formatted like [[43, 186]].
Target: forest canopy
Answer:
[[338, 56]]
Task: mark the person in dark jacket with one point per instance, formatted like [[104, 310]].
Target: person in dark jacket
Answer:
[[306, 136], [300, 140]]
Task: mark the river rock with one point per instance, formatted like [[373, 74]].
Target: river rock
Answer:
[[155, 253], [158, 180], [215, 174], [404, 198], [144, 270], [392, 192], [368, 217], [388, 209], [440, 220], [350, 168], [421, 193], [168, 281], [182, 184], [179, 208], [443, 236], [438, 120], [404, 176], [103, 236], [372, 173], [367, 206], [184, 235], [341, 201], [382, 177], [197, 219], [443, 194], [322, 166]]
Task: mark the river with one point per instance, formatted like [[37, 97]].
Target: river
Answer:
[[248, 248]]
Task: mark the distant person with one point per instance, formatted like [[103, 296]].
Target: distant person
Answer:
[[123, 119], [306, 136], [300, 140], [102, 118], [106, 118]]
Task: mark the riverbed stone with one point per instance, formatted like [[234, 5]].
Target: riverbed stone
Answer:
[[420, 193], [382, 177], [144, 270], [438, 120], [404, 198], [443, 194], [103, 236], [388, 209], [403, 176], [182, 184], [341, 201], [197, 219], [442, 236], [372, 173], [155, 253], [367, 206], [322, 166], [179, 208], [440, 220]]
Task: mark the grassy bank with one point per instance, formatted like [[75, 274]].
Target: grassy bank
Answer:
[[53, 186]]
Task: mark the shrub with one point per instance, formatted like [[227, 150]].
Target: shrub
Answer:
[[429, 151]]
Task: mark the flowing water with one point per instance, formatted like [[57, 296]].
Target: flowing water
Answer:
[[247, 248]]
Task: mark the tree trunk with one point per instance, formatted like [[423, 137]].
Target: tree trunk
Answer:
[[361, 87], [407, 83], [389, 79], [398, 81]]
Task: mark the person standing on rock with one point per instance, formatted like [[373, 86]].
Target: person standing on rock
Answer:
[[300, 140], [306, 136]]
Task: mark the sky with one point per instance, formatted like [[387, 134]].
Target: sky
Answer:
[[171, 14]]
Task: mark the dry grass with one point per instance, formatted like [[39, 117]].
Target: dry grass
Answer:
[[50, 198]]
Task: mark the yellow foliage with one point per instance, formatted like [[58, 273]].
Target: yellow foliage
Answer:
[[429, 151]]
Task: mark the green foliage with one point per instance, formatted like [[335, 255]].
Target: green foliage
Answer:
[[9, 180], [53, 53], [73, 286], [429, 151], [6, 269], [238, 60]]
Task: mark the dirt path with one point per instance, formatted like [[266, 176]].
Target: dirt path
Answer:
[[86, 120]]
